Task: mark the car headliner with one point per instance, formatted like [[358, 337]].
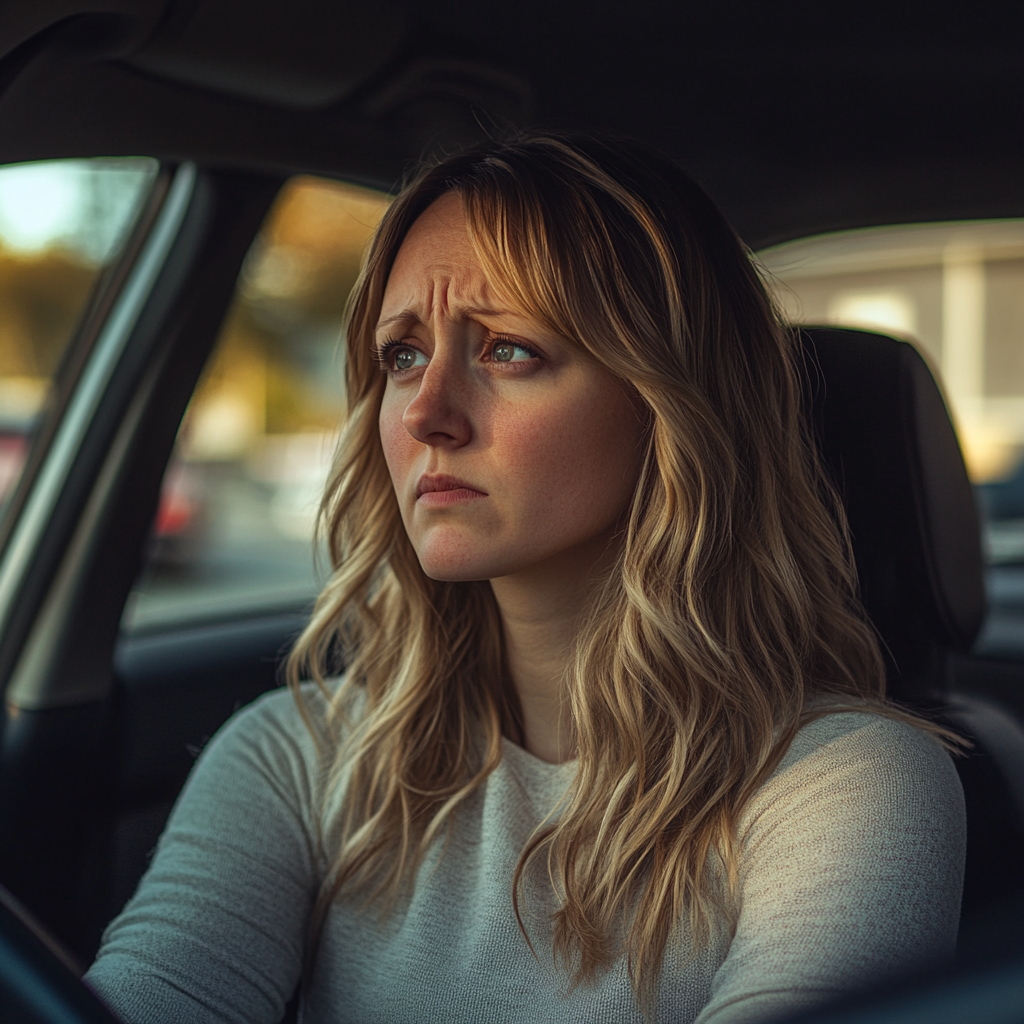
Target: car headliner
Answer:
[[798, 116]]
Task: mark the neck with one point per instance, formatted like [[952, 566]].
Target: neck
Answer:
[[541, 609]]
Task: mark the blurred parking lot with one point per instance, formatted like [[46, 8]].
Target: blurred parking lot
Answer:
[[250, 549]]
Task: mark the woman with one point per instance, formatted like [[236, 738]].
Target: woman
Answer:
[[612, 740]]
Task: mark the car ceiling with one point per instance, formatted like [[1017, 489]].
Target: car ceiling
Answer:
[[797, 116]]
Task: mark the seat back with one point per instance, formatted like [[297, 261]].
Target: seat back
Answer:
[[890, 447], [888, 442]]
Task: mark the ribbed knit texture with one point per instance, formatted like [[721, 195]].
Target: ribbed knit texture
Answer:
[[852, 863]]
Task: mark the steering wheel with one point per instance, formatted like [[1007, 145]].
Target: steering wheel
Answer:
[[37, 983]]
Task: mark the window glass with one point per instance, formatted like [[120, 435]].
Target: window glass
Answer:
[[235, 526], [62, 223], [957, 291]]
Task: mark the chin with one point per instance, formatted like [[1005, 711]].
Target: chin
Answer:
[[452, 562], [453, 575], [450, 565], [454, 571]]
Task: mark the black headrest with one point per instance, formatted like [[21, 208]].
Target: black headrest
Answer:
[[889, 444]]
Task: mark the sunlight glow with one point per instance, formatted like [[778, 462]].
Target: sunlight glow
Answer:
[[38, 202], [889, 310], [83, 206]]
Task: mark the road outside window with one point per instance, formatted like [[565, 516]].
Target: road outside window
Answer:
[[957, 291], [234, 534]]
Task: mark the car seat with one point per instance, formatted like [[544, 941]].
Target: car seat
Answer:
[[887, 440]]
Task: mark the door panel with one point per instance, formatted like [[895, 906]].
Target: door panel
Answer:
[[173, 691]]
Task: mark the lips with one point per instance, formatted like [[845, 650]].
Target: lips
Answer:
[[434, 483]]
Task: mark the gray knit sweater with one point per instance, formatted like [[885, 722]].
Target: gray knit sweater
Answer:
[[852, 860]]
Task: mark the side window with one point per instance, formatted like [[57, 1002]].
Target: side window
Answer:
[[62, 224], [957, 291], [234, 531]]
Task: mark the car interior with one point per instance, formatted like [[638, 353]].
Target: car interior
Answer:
[[207, 130]]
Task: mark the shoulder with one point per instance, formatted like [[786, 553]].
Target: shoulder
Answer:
[[850, 866], [273, 726], [866, 741], [277, 715], [843, 737], [861, 771], [274, 744]]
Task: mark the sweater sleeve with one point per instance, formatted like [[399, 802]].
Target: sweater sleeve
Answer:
[[852, 860], [215, 931]]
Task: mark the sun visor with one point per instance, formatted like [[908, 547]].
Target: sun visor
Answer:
[[303, 54], [108, 24]]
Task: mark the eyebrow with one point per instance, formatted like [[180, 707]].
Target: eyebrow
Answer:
[[407, 316]]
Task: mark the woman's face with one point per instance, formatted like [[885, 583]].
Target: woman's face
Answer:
[[509, 448]]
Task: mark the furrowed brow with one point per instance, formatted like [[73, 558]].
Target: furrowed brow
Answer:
[[407, 316], [472, 311]]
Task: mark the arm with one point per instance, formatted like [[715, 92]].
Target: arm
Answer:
[[216, 929], [851, 872]]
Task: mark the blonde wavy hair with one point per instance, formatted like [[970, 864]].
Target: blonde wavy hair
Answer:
[[733, 600]]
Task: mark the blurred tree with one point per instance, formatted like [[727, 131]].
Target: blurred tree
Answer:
[[288, 310], [42, 296]]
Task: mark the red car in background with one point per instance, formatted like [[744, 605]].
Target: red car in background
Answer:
[[13, 448], [180, 520]]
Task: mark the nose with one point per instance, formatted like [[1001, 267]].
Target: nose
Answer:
[[438, 414]]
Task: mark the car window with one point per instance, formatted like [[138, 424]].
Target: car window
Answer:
[[957, 291], [62, 224], [235, 526]]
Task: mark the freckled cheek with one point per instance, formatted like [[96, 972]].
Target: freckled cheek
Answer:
[[400, 447], [555, 462]]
